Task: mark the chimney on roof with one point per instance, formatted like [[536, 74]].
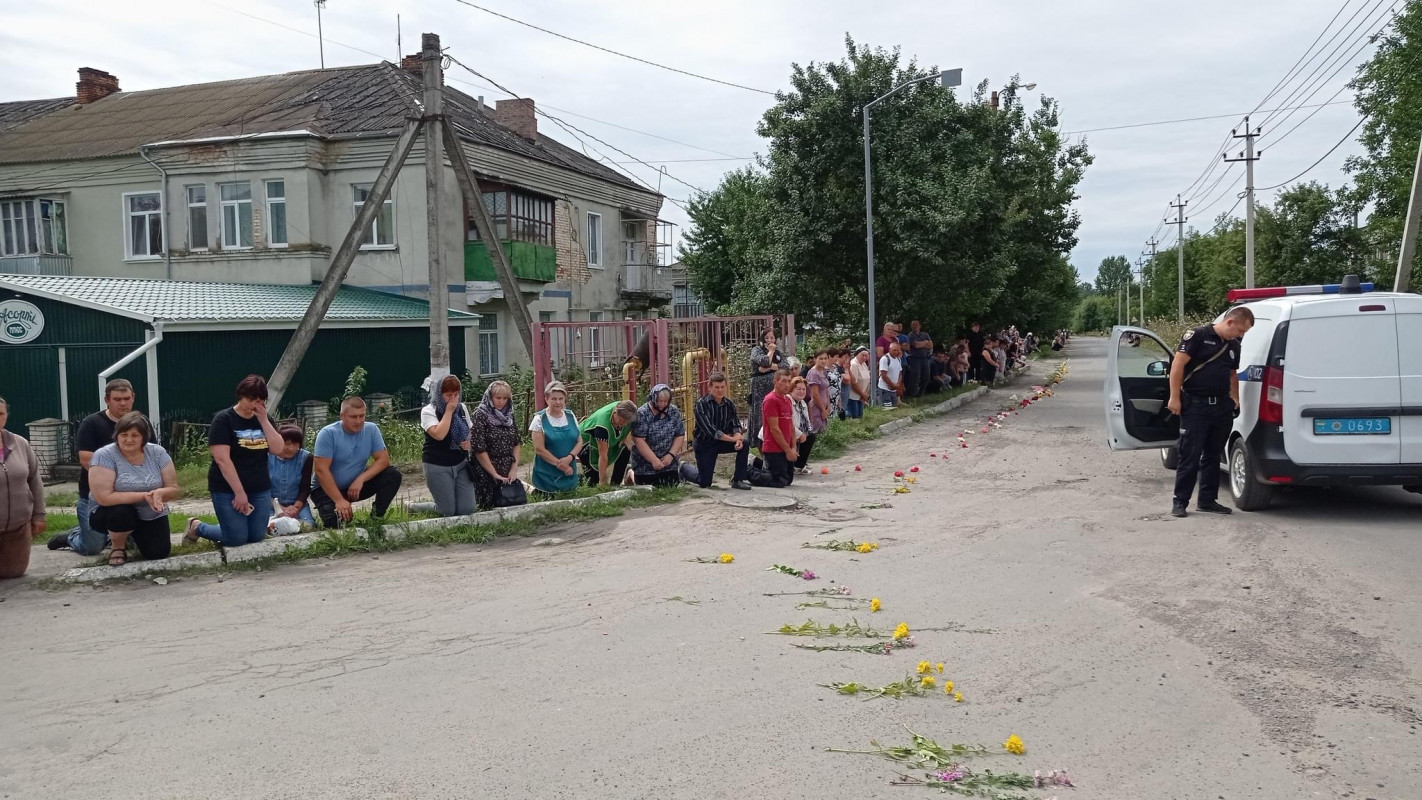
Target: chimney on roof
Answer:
[[518, 116], [94, 84], [412, 63]]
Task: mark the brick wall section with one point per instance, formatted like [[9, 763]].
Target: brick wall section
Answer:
[[94, 84], [518, 116], [572, 257]]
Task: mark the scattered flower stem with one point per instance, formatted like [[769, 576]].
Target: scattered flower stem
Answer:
[[849, 630]]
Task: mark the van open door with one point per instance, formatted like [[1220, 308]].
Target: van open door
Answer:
[[1137, 391]]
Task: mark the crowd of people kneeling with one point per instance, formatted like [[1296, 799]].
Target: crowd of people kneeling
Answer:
[[263, 481]]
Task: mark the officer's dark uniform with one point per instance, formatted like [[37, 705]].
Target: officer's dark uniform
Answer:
[[1206, 412]]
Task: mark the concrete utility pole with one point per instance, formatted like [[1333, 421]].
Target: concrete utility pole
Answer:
[[430, 57], [1409, 230], [1128, 294], [340, 266], [1248, 157], [1180, 219]]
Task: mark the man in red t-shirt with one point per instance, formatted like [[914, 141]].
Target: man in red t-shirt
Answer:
[[778, 413]]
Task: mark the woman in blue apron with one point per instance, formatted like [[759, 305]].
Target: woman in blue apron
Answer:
[[556, 442]]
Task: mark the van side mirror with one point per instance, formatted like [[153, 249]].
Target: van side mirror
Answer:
[[1158, 369]]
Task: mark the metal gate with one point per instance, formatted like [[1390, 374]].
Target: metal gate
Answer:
[[601, 362]]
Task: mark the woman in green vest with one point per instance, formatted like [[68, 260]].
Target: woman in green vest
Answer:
[[556, 442], [605, 435]]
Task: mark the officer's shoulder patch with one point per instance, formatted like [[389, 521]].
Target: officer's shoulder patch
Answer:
[[1188, 334]]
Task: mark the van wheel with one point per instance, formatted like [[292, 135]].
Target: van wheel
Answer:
[[1169, 458], [1249, 494]]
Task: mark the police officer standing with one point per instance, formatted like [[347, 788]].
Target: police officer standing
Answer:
[[1204, 392]]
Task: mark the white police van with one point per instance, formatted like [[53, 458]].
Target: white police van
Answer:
[[1330, 391]]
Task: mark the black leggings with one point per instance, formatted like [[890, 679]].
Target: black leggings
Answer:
[[151, 535], [805, 448]]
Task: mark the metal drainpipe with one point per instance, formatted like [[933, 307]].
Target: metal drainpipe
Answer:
[[167, 251]]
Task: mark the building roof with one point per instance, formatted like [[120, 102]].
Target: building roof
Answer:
[[328, 103], [12, 114], [224, 305]]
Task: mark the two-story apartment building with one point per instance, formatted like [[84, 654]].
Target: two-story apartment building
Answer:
[[258, 180]]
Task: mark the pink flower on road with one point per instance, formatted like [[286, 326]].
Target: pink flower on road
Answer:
[[809, 575]]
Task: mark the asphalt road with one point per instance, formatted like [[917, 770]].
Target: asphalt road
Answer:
[[1266, 655]]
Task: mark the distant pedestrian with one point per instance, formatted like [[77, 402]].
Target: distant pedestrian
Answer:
[[658, 439], [976, 342], [891, 376], [131, 482], [920, 354], [352, 463], [606, 433], [291, 467], [779, 447], [765, 361], [496, 444], [94, 432], [861, 388]]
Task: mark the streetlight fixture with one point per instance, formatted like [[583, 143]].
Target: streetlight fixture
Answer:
[[947, 78]]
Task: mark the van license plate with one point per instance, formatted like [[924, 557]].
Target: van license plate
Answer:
[[1353, 426]]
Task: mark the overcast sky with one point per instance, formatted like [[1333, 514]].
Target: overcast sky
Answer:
[[1108, 62]]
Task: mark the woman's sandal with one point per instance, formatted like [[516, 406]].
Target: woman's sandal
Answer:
[[190, 535], [117, 557]]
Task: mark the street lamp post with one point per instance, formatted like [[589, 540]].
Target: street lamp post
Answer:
[[947, 78]]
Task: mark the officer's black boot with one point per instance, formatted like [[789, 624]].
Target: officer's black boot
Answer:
[[1213, 507], [1177, 509]]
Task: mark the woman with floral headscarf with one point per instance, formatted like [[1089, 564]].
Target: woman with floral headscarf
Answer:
[[494, 440], [658, 439], [445, 457]]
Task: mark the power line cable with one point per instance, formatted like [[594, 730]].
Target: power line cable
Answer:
[[574, 130], [1364, 24], [1183, 119], [1305, 54], [1345, 138], [613, 52], [1222, 195]]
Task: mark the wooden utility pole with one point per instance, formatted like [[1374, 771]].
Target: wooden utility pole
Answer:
[[1248, 157], [474, 199], [1409, 229], [430, 57], [340, 265]]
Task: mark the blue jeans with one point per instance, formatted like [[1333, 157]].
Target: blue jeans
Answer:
[[888, 398], [233, 529], [84, 540], [854, 409]]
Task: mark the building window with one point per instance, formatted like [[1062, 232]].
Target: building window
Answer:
[[594, 240], [548, 316], [382, 228], [632, 243], [197, 217], [276, 213], [595, 339], [488, 343], [33, 226], [517, 216], [236, 201], [143, 235]]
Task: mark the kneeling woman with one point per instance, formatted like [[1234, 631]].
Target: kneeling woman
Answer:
[[556, 441], [131, 482]]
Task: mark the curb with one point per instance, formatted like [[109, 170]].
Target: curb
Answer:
[[279, 545], [941, 408]]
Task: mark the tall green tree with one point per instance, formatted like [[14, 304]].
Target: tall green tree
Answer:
[[1389, 94], [972, 205], [1306, 236], [1113, 274]]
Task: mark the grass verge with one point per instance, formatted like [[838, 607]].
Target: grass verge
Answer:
[[337, 543]]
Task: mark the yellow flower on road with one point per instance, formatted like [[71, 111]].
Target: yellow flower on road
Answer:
[[928, 682], [867, 547], [957, 697], [948, 687], [939, 667], [875, 605], [727, 558], [902, 631], [1014, 745], [923, 667]]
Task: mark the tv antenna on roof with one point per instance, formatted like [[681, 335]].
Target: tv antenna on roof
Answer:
[[320, 36]]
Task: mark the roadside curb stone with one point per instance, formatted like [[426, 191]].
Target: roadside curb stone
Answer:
[[279, 545]]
